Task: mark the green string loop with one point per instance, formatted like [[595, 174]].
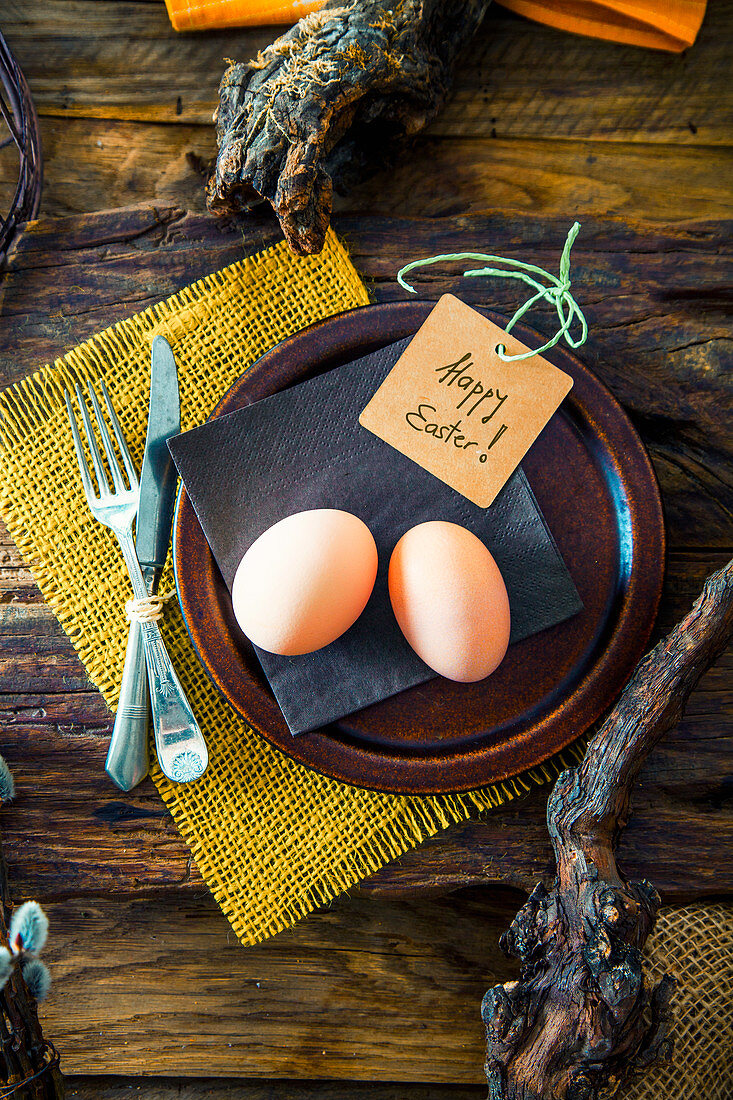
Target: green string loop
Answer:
[[557, 293]]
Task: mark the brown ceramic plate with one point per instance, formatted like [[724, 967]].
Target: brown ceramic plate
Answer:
[[596, 487]]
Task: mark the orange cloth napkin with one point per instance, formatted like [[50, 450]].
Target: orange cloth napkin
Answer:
[[203, 15], [661, 24]]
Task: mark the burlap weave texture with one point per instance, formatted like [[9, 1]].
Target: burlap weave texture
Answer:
[[271, 839], [694, 944]]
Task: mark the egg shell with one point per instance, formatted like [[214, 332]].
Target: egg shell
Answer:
[[450, 600], [305, 581]]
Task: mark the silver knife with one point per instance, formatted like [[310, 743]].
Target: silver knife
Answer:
[[127, 759]]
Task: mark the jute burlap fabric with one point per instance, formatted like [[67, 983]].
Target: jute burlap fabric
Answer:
[[695, 945], [272, 840]]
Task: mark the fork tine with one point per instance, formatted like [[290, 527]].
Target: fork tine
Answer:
[[109, 448], [119, 436], [86, 480], [93, 448]]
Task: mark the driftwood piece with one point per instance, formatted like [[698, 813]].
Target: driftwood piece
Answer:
[[325, 101], [583, 1017]]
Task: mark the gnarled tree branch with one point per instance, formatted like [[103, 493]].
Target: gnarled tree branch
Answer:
[[583, 1016], [327, 99]]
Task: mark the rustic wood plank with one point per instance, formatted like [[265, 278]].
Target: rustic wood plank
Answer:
[[97, 164], [357, 991], [519, 79], [523, 80], [121, 59], [162, 1088], [554, 178]]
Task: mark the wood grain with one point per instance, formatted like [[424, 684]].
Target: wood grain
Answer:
[[358, 991], [552, 177], [208, 1088], [97, 164], [517, 80]]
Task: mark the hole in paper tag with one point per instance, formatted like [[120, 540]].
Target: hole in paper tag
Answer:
[[458, 410]]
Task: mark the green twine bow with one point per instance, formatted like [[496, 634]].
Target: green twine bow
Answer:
[[557, 293]]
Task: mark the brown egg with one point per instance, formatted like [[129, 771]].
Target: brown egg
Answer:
[[450, 600], [305, 581]]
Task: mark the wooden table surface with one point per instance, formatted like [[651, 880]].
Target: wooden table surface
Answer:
[[383, 986]]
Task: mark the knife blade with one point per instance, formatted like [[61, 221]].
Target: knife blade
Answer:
[[158, 476], [127, 758]]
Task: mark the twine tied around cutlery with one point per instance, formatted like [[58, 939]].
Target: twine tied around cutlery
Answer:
[[149, 609], [557, 293]]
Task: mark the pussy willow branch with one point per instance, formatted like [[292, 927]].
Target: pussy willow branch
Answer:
[[24, 1051]]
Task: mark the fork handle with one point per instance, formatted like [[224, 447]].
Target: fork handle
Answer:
[[180, 745], [127, 758]]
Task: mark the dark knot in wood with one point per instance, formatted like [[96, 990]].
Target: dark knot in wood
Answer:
[[583, 1017]]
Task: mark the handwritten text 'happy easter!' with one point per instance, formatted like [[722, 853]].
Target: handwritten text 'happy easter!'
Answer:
[[474, 394]]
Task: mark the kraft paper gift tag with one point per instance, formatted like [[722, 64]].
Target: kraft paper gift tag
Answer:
[[454, 406]]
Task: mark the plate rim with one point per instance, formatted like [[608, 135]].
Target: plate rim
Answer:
[[315, 750]]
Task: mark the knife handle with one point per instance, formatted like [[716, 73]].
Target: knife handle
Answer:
[[127, 758]]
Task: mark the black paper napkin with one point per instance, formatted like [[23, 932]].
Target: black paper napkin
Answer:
[[304, 448]]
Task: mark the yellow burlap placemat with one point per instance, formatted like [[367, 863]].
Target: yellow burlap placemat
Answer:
[[695, 945], [272, 839]]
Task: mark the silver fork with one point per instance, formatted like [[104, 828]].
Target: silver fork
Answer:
[[179, 742]]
